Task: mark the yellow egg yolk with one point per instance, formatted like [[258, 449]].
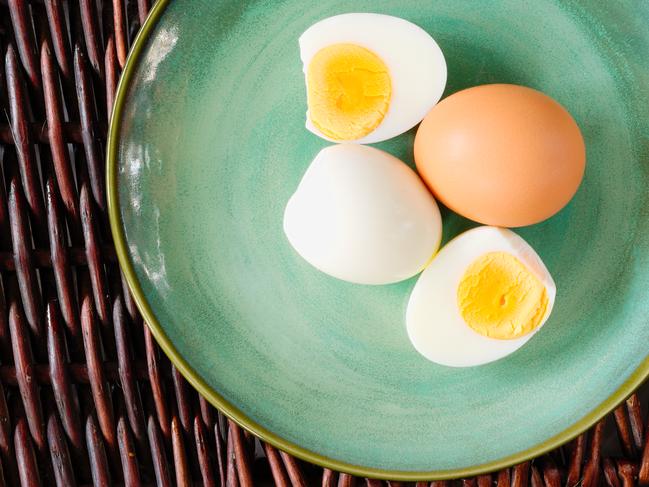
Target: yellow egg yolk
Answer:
[[499, 297], [348, 91]]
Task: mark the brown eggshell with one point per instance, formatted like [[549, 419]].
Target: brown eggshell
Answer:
[[502, 155]]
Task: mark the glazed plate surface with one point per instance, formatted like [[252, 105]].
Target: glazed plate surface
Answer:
[[207, 144]]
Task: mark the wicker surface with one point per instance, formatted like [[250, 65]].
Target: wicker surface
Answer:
[[86, 397]]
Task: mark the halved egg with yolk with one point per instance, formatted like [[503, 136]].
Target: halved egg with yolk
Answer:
[[369, 77], [482, 297]]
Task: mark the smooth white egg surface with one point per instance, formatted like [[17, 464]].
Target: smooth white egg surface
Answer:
[[415, 64], [362, 215], [435, 315]]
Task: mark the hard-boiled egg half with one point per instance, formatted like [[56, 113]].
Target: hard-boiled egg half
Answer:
[[483, 296], [362, 215], [369, 77]]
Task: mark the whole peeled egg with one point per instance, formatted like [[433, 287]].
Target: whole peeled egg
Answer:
[[363, 216], [483, 296], [369, 77], [500, 154]]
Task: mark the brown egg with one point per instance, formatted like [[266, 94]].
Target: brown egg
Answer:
[[502, 155]]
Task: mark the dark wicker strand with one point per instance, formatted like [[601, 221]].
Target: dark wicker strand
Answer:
[[27, 465], [127, 454], [65, 395], [30, 292], [181, 464], [20, 19], [97, 454], [127, 374], [19, 132], [63, 469], [24, 362]]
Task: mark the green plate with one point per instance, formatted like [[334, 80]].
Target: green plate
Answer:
[[207, 143]]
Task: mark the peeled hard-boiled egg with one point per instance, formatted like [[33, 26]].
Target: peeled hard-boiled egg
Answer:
[[369, 77], [481, 298], [362, 215]]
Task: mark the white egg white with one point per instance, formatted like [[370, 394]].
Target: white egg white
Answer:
[[415, 61], [435, 325], [362, 215]]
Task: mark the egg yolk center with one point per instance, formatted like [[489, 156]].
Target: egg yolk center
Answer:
[[348, 91], [499, 297]]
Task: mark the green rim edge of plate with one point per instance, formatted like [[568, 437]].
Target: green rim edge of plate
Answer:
[[627, 388]]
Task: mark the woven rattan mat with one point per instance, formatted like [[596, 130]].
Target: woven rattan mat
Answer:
[[86, 397]]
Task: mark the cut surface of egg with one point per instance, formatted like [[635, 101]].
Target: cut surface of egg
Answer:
[[362, 215], [482, 297], [369, 77]]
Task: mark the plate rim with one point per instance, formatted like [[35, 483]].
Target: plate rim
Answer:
[[635, 379]]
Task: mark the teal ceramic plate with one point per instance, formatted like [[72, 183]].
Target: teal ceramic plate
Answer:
[[208, 142]]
